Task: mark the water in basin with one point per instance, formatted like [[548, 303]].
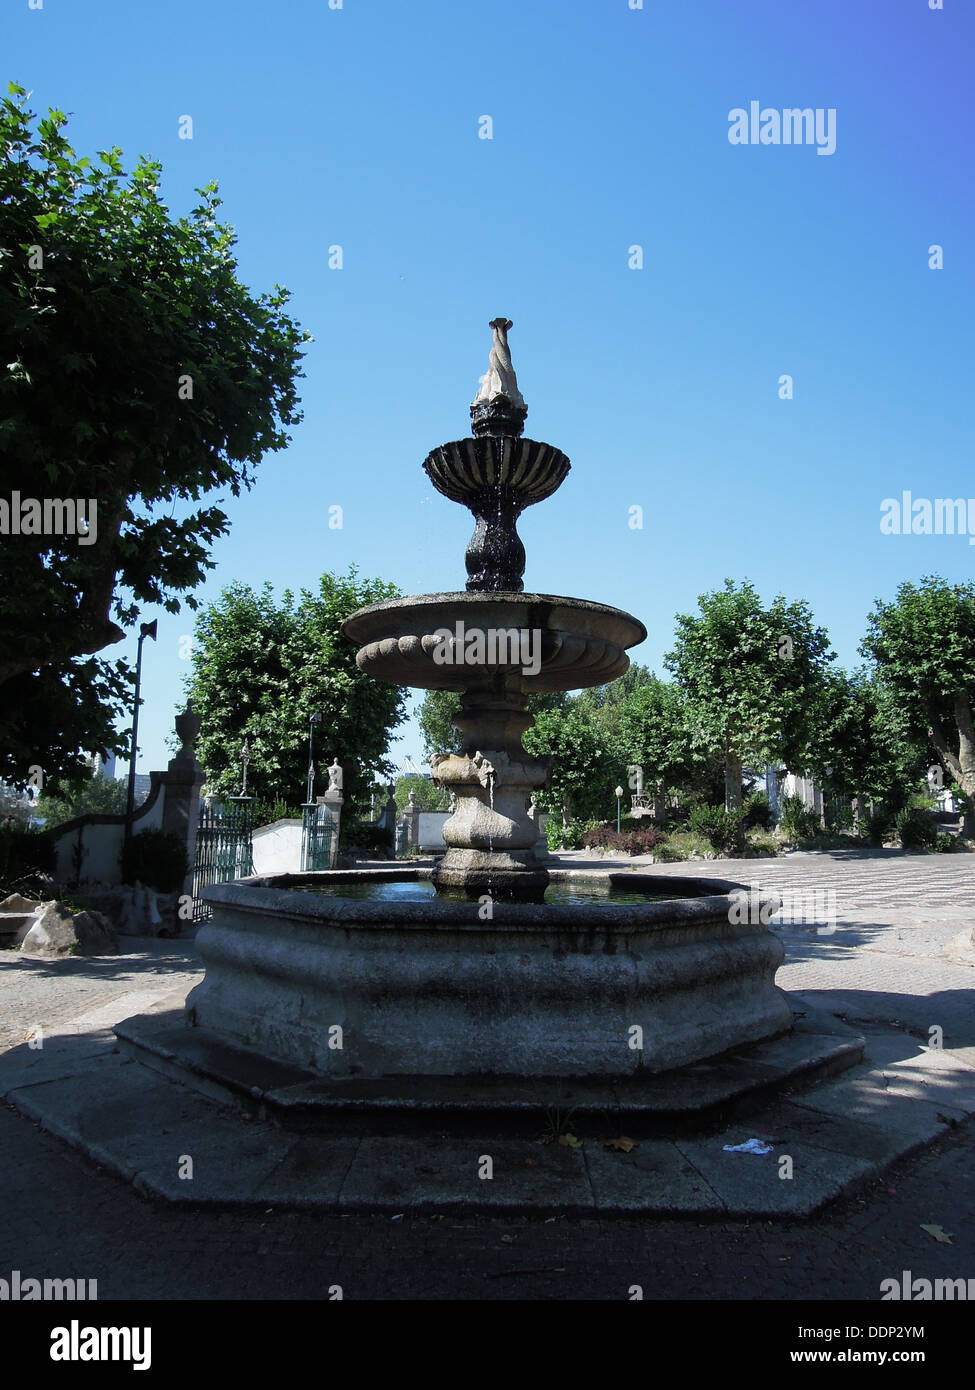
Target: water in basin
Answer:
[[561, 894]]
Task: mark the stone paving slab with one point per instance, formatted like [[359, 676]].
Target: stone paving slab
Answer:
[[434, 1174], [142, 1126], [752, 1183], [655, 1176]]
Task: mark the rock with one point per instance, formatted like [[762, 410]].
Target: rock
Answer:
[[14, 926], [56, 932], [18, 903]]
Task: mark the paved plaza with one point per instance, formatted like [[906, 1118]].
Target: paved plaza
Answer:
[[884, 973]]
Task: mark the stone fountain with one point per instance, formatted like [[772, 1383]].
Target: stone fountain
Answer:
[[373, 1005], [494, 644]]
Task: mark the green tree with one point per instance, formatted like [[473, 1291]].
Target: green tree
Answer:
[[435, 720], [140, 373], [864, 746], [53, 718], [439, 707], [586, 763], [261, 669], [655, 734], [923, 645], [750, 674], [426, 796], [98, 796]]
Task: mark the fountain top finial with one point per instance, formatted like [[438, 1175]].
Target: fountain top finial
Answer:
[[499, 407]]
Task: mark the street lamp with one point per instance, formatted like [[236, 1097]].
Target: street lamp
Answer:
[[313, 719], [619, 798], [147, 630]]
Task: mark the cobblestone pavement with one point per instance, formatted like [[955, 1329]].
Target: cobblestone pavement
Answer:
[[882, 966]]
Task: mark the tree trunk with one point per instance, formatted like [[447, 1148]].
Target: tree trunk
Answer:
[[732, 780], [960, 766]]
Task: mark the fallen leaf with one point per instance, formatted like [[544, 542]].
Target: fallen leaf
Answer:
[[939, 1233], [621, 1145], [569, 1141]]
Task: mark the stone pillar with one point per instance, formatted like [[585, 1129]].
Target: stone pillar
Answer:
[[541, 844], [411, 817], [333, 802], [181, 784]]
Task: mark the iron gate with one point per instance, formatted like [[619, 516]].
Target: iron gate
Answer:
[[224, 847], [317, 829]]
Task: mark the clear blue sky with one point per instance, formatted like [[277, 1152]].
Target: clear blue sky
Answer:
[[359, 126]]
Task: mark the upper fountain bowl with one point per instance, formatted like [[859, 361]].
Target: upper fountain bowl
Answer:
[[451, 641]]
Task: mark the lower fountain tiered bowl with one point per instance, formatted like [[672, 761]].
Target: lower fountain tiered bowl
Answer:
[[369, 990]]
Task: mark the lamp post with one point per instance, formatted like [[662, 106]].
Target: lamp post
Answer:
[[313, 719], [147, 630], [619, 798]]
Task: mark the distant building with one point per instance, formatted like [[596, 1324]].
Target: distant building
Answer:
[[143, 785], [103, 765]]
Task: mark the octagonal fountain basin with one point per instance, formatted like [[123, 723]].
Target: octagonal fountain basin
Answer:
[[310, 970]]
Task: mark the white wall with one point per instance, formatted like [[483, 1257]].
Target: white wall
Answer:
[[277, 848], [431, 829], [101, 846]]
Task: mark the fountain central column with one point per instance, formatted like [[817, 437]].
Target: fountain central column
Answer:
[[490, 836]]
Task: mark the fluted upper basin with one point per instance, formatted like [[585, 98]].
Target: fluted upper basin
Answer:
[[578, 643], [465, 469]]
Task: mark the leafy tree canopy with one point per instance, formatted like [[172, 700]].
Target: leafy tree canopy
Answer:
[[136, 370], [749, 674], [426, 797], [923, 645], [262, 668], [99, 796], [863, 744], [439, 707]]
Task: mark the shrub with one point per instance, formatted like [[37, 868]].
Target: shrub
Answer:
[[916, 830], [879, 827], [684, 844], [829, 839], [760, 844], [25, 857], [723, 830], [627, 841], [267, 812], [669, 853], [569, 836], [758, 812], [369, 839], [797, 821], [156, 859], [947, 844]]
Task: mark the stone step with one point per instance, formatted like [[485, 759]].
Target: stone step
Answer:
[[697, 1096]]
